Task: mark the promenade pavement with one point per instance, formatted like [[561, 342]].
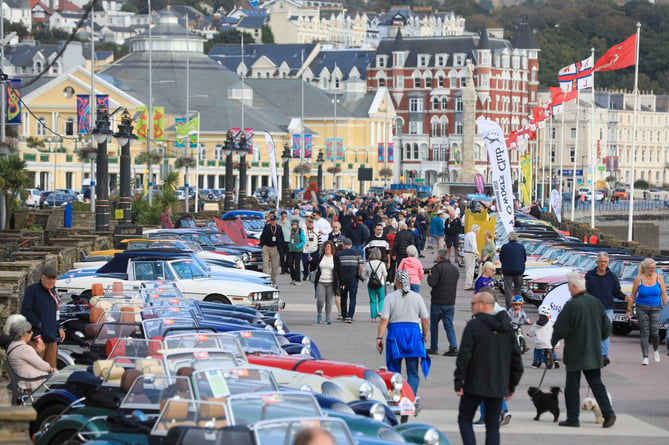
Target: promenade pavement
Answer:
[[640, 393]]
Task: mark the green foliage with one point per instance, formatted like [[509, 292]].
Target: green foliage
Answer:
[[81, 206], [149, 215], [130, 7], [20, 30], [46, 35], [228, 37], [641, 184], [34, 142], [267, 36], [119, 50], [13, 179]]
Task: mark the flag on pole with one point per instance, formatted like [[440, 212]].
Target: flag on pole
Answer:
[[577, 75], [618, 57], [190, 127]]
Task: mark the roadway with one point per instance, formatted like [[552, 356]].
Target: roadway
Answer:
[[639, 393]]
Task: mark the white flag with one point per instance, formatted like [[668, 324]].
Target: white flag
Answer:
[[501, 170], [556, 203], [272, 162]]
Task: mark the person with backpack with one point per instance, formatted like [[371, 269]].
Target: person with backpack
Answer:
[[375, 272]]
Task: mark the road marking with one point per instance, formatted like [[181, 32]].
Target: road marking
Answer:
[[522, 423]]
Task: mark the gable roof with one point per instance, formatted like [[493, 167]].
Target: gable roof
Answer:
[[290, 54], [345, 60]]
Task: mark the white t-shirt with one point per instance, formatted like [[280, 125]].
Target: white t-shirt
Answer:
[[327, 270]]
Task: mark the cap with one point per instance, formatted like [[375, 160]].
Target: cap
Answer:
[[294, 221], [439, 212], [346, 241], [49, 270], [283, 212], [272, 218]]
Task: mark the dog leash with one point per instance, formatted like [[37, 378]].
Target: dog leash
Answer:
[[542, 378]]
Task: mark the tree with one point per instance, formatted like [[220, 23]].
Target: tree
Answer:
[[13, 179], [227, 37], [130, 7], [267, 36]]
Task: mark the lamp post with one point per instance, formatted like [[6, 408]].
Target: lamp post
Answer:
[[285, 179], [243, 149], [319, 162], [102, 134], [124, 136], [228, 149]]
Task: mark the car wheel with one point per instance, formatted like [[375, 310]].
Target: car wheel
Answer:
[[217, 298], [44, 416], [621, 329]]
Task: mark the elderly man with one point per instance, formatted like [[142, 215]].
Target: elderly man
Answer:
[[603, 284], [443, 280], [582, 324], [488, 368], [470, 252]]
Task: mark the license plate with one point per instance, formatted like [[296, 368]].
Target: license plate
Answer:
[[620, 317], [407, 408]]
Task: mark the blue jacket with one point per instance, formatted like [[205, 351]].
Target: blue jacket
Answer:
[[603, 287], [40, 308], [437, 226], [513, 257], [405, 340]]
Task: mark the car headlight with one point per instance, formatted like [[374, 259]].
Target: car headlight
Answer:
[[239, 264], [431, 437], [397, 381], [246, 256], [278, 325], [377, 412], [365, 391], [306, 387], [305, 351], [396, 395], [306, 341]]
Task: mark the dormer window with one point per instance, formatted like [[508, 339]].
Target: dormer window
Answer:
[[458, 60], [423, 60], [380, 61], [441, 60]]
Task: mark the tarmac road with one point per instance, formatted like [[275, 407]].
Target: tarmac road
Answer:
[[640, 394]]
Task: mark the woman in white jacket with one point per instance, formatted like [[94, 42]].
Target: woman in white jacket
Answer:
[[376, 288]]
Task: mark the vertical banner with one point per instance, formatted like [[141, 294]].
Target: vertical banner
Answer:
[[236, 133], [194, 137], [329, 149], [179, 141], [13, 105], [248, 132], [457, 156], [296, 145], [526, 167], [501, 170], [102, 102], [340, 149], [382, 149], [308, 143], [158, 123], [391, 153], [271, 151], [142, 123], [84, 114], [556, 203]]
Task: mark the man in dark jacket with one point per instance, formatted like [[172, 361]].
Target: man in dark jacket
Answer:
[[270, 240], [40, 306], [513, 257], [443, 280], [357, 232], [582, 324], [452, 231], [489, 367], [347, 269], [403, 239], [602, 284]]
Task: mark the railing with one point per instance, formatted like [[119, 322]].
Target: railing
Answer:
[[617, 206]]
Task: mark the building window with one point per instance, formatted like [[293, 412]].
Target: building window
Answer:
[[443, 129], [572, 133], [435, 103], [218, 152], [458, 128], [434, 129], [485, 81], [415, 127], [41, 127], [440, 82], [444, 103], [423, 61], [416, 82], [407, 152], [69, 128], [572, 153], [428, 82], [485, 57], [441, 59], [381, 61], [415, 105], [416, 154], [458, 104], [382, 82]]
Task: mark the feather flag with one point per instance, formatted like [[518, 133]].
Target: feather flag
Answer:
[[618, 57]]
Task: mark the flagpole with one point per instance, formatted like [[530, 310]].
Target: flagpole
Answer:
[[636, 100], [543, 165], [197, 164], [537, 144], [560, 188], [573, 181], [593, 162], [550, 157]]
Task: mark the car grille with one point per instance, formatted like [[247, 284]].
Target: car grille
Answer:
[[269, 296]]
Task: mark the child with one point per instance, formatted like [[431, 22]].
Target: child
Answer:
[[516, 313], [542, 331]]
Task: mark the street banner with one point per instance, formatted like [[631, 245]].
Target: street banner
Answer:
[[83, 114], [556, 203], [478, 180], [501, 170], [271, 151], [13, 105], [381, 151], [329, 149]]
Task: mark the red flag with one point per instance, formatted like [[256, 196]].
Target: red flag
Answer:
[[618, 56], [557, 96]]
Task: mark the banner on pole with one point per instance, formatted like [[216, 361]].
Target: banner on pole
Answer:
[[556, 203], [391, 156], [340, 149], [329, 149], [83, 114], [13, 105], [382, 150], [271, 151], [501, 170]]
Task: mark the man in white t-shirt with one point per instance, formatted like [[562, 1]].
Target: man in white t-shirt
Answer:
[[321, 226]]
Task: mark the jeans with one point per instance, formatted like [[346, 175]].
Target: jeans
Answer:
[[444, 313], [412, 371], [415, 287], [505, 407], [307, 260], [466, 411], [294, 263], [606, 342], [512, 286], [349, 293], [358, 248], [572, 395], [283, 252], [649, 325], [376, 297]]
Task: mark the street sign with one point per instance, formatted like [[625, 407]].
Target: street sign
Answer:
[[579, 172], [420, 180]]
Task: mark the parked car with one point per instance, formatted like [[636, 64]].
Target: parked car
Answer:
[[54, 199], [265, 194], [33, 198]]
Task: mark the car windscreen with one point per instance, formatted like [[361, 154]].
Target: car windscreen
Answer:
[[188, 269]]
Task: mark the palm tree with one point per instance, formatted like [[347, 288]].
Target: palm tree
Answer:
[[13, 179]]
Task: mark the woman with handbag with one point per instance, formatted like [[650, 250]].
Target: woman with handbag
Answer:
[[375, 272], [325, 282]]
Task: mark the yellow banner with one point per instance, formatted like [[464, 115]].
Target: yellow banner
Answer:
[[526, 186], [158, 123]]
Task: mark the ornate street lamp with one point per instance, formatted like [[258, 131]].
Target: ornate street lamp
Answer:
[[243, 149], [228, 149], [102, 134], [124, 136], [320, 161], [285, 179]]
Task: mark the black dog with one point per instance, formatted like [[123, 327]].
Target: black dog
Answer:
[[545, 401]]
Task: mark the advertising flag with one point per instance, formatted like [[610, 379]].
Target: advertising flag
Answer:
[[619, 56], [271, 151], [493, 137], [84, 114], [391, 154], [158, 123], [185, 128], [382, 149], [577, 75], [180, 142], [329, 149], [340, 149], [13, 105]]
